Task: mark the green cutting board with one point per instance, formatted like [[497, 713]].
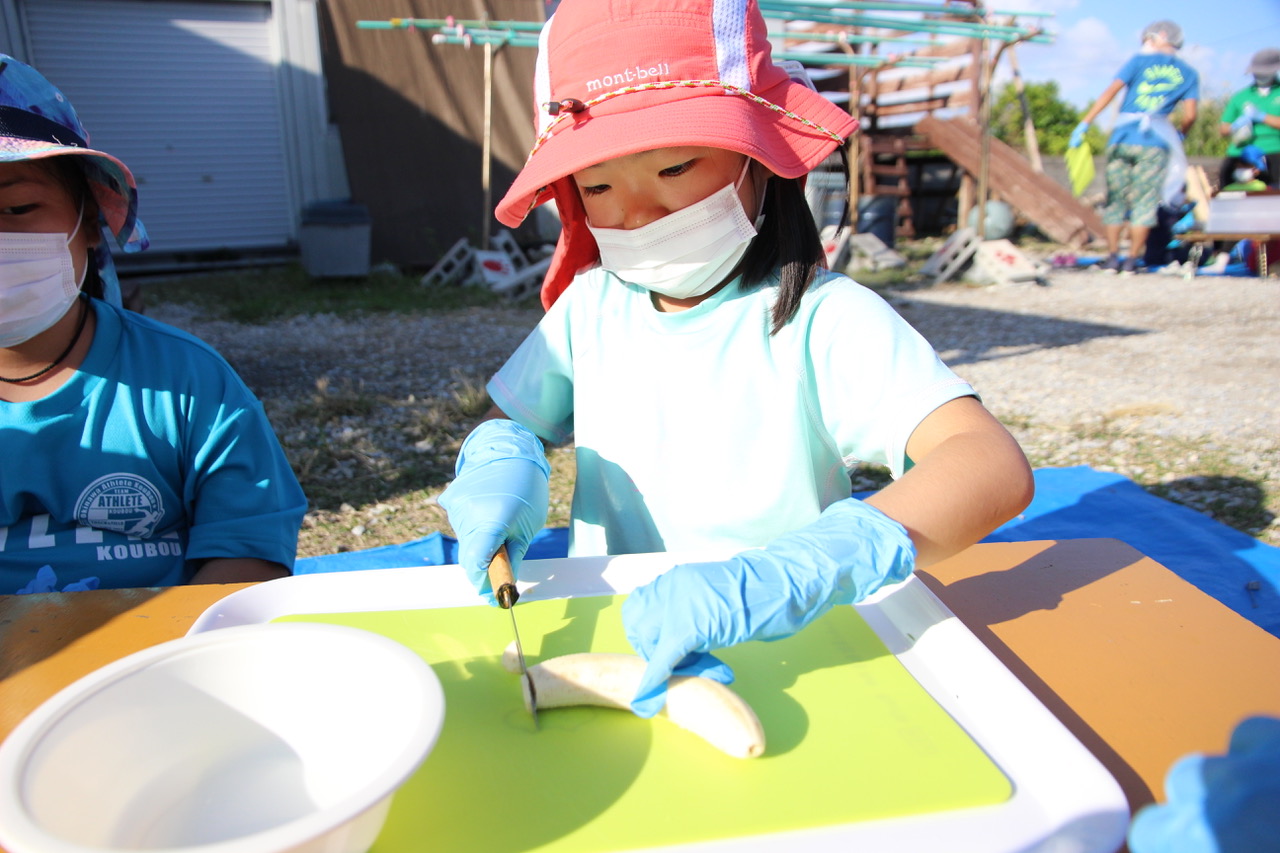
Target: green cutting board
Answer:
[[851, 736]]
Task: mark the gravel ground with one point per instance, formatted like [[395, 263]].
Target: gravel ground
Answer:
[[1190, 359], [1171, 382], [390, 356]]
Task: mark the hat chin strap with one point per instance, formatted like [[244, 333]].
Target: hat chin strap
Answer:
[[760, 175]]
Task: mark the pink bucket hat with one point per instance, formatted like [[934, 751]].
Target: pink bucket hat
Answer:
[[615, 78]]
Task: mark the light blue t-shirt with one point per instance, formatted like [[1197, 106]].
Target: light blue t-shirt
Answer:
[[1154, 84], [700, 430], [153, 456]]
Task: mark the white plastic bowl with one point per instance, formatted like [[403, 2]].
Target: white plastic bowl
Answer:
[[255, 739]]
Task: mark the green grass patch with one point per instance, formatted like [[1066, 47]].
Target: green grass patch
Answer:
[[258, 296], [1203, 475]]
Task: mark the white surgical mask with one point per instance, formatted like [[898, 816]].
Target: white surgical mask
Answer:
[[683, 254], [1243, 176], [37, 283]]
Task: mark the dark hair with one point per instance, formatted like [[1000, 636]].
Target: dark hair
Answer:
[[788, 243], [70, 175]]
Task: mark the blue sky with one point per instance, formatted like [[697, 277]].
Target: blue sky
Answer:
[[1093, 38]]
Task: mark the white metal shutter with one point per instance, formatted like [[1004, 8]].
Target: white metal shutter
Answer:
[[186, 94]]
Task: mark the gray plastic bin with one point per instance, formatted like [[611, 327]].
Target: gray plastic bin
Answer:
[[878, 215], [334, 238]]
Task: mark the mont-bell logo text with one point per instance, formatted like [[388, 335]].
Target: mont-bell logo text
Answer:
[[629, 76]]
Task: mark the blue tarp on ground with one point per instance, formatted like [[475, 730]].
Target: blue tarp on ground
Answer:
[[433, 550], [1081, 503], [1070, 503]]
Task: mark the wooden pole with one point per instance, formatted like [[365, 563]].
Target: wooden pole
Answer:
[[1028, 126], [965, 197], [855, 141], [488, 145], [984, 127]]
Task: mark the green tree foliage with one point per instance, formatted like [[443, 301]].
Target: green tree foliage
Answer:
[[1054, 118], [1203, 139]]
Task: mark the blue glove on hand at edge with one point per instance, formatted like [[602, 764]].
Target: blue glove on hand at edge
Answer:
[[1077, 135], [1241, 123], [46, 580], [1252, 113], [1221, 804], [499, 495], [676, 620]]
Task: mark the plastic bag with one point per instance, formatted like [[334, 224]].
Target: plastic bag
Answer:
[[1080, 167]]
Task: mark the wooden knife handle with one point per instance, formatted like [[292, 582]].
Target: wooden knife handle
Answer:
[[502, 579]]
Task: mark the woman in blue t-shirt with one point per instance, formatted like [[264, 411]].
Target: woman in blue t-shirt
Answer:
[[1146, 165], [133, 455]]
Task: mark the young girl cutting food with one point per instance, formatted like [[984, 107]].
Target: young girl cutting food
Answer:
[[718, 382]]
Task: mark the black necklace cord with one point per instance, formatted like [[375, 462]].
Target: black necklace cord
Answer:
[[84, 316]]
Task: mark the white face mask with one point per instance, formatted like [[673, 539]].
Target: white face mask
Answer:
[[1243, 176], [37, 283], [683, 254]]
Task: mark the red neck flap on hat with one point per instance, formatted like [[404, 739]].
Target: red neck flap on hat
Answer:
[[575, 249]]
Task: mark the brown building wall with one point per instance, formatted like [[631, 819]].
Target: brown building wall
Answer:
[[411, 118]]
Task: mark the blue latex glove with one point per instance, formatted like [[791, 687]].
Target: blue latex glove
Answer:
[[1252, 113], [676, 620], [1241, 123], [498, 495], [1222, 804], [82, 585], [46, 580], [1077, 135]]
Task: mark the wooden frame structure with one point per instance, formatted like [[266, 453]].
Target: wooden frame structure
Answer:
[[898, 63], [918, 75]]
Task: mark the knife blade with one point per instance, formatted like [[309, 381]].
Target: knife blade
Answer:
[[503, 582]]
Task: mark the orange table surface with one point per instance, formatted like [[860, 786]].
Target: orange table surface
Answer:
[[1140, 665]]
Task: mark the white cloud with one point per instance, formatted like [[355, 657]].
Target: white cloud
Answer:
[[1055, 6], [1221, 71], [1090, 41], [1083, 59]]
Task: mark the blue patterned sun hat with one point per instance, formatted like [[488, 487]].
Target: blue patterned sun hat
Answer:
[[37, 121]]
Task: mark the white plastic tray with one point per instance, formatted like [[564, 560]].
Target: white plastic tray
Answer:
[[1063, 799]]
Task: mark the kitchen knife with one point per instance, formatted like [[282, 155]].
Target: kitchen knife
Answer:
[[504, 590]]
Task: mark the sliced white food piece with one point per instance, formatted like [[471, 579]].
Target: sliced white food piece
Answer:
[[707, 708]]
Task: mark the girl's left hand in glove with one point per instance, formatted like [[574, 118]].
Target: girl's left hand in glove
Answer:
[[676, 620]]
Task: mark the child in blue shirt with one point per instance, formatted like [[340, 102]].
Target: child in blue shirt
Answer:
[[132, 454]]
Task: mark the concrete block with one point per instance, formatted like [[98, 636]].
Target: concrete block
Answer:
[[835, 245], [873, 252], [1001, 262], [454, 267], [952, 255]]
